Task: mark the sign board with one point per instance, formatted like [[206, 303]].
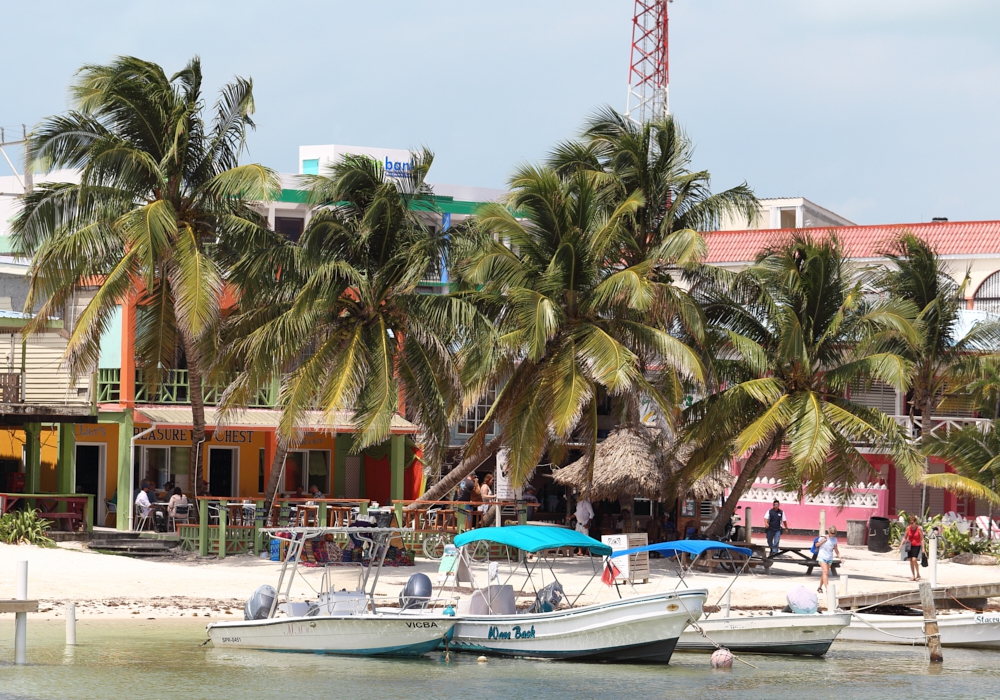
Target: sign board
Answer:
[[504, 491], [397, 162], [634, 568]]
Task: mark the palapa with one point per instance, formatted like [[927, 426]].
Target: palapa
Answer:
[[626, 463], [631, 462]]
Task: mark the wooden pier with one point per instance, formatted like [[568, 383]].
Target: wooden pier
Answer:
[[18, 606], [973, 596]]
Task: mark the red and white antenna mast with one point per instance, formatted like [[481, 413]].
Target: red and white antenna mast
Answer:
[[648, 74]]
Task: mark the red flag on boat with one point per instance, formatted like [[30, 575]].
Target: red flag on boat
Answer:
[[610, 573]]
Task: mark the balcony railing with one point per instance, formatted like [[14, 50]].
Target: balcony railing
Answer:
[[941, 425], [174, 389], [11, 387]]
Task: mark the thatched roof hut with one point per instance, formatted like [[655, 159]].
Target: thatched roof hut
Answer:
[[627, 463], [632, 463]]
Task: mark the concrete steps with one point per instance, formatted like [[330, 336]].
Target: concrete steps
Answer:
[[133, 543]]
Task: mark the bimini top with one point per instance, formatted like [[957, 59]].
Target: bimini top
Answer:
[[534, 538], [692, 547]]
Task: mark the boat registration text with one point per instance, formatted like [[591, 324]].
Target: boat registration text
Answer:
[[987, 619]]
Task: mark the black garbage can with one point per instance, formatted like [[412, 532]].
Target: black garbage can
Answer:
[[878, 535]]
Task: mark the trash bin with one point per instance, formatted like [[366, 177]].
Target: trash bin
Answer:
[[878, 535], [857, 530]]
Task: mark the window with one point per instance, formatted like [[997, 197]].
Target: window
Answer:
[[477, 414], [987, 297], [306, 468], [163, 464], [289, 226], [310, 166], [787, 218]]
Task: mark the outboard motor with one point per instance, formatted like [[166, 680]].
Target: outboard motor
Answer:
[[260, 603], [416, 592]]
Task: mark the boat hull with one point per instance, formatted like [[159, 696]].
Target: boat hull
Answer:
[[971, 630], [354, 635], [780, 633], [637, 630]]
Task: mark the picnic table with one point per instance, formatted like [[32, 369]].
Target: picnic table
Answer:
[[801, 555], [69, 511]]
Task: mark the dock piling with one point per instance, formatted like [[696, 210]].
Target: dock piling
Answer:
[[932, 556], [930, 623], [831, 598], [843, 584], [71, 624], [21, 618], [726, 602]]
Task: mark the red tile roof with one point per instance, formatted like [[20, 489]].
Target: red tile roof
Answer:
[[946, 237]]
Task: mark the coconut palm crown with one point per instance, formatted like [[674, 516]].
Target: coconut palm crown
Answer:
[[339, 318], [791, 334], [573, 320], [160, 207]]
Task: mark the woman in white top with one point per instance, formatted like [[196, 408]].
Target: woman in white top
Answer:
[[827, 546], [486, 489], [177, 498]]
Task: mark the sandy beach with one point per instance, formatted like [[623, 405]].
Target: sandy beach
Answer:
[[184, 585]]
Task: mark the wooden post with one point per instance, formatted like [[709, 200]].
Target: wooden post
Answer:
[[932, 556], [930, 623], [726, 603], [831, 598], [258, 522], [363, 508], [843, 583], [33, 457], [397, 456], [747, 525], [822, 522], [223, 518], [21, 618], [202, 527]]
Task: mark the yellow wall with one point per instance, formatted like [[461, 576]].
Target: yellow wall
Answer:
[[12, 446]]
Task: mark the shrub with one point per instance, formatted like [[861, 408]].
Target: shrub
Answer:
[[24, 527]]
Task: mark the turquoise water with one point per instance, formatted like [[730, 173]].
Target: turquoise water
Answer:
[[163, 659]]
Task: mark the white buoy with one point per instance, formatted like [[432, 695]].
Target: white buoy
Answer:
[[482, 659], [722, 658], [71, 624]]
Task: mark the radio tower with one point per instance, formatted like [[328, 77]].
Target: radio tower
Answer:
[[648, 74]]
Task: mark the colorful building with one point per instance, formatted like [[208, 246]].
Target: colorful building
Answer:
[[972, 248]]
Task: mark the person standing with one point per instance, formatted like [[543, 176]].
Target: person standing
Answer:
[[465, 488], [827, 546], [584, 514], [914, 537], [775, 523]]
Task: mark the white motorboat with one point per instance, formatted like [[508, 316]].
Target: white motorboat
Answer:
[[635, 629], [757, 633], [767, 633], [958, 629], [339, 622]]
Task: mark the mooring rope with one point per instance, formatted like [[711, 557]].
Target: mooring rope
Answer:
[[704, 634]]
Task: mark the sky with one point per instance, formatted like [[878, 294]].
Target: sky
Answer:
[[884, 112]]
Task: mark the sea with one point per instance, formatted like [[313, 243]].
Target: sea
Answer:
[[167, 658]]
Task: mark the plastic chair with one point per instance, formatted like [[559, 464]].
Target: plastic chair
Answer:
[[140, 519], [182, 514], [110, 508]]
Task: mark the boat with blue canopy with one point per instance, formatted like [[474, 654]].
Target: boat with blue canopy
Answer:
[[770, 632], [550, 624]]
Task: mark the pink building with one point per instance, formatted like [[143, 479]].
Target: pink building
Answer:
[[965, 246]]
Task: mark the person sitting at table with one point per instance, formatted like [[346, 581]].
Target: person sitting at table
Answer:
[[315, 492], [297, 493], [143, 504], [624, 523], [177, 498]]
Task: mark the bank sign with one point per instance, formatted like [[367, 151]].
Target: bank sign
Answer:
[[397, 163]]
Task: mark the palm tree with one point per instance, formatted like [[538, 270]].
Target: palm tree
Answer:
[[974, 453], [571, 320], [938, 353], [339, 319], [790, 334], [654, 159], [161, 207]]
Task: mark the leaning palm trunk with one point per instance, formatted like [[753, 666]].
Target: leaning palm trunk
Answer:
[[277, 467], [453, 478], [926, 423], [758, 458], [196, 392]]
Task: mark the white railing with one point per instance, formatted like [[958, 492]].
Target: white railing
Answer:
[[767, 490], [942, 425]]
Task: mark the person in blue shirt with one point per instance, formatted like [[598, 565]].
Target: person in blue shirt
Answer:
[[774, 522]]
